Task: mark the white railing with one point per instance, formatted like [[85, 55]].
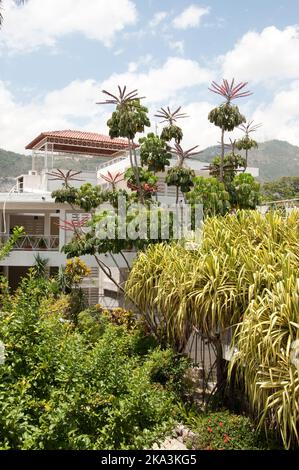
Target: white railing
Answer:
[[111, 162], [35, 242]]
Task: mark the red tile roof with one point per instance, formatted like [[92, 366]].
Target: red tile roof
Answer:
[[80, 136]]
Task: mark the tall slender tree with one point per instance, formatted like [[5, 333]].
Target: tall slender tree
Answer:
[[227, 116], [246, 142]]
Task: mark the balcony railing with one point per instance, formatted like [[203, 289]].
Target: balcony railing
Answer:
[[35, 242]]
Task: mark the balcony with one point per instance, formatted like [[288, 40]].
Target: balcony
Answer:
[[35, 243]]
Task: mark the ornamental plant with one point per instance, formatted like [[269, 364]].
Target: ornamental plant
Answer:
[[247, 191], [171, 131], [64, 387], [246, 142], [129, 118], [211, 193], [154, 153], [227, 116], [243, 273]]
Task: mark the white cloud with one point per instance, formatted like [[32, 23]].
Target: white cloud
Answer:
[[60, 109], [177, 46], [280, 118], [197, 128], [74, 106], [160, 84], [190, 17], [158, 18], [42, 23], [271, 55]]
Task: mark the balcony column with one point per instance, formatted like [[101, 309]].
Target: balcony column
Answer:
[[47, 225], [62, 232]]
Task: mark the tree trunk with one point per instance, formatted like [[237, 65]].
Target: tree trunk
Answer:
[[220, 364], [134, 166], [222, 156], [246, 160]]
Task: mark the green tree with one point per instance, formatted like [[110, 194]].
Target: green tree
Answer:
[[211, 193], [227, 116], [286, 187], [171, 131], [247, 191], [5, 249], [246, 143], [128, 119], [154, 153]]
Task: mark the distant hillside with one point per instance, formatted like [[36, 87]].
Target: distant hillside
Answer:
[[274, 158], [14, 164]]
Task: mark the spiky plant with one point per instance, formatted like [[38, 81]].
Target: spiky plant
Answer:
[[233, 275], [226, 116], [128, 119], [267, 358], [171, 130], [246, 142]]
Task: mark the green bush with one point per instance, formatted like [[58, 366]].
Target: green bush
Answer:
[[68, 387], [225, 431]]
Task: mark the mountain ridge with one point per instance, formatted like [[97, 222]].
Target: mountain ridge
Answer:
[[275, 158]]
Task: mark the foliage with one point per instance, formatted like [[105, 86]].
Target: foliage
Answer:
[[230, 91], [226, 116], [154, 153], [110, 232], [60, 390], [40, 266], [267, 357], [112, 179], [246, 143], [8, 246], [172, 132], [75, 271], [222, 430], [232, 164], [247, 191], [283, 188], [128, 120], [147, 180], [244, 270], [211, 193], [180, 177]]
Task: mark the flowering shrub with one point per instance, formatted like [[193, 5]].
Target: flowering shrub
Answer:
[[225, 431]]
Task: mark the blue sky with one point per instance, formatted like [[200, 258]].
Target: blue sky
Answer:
[[56, 56]]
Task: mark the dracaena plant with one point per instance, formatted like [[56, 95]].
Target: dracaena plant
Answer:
[[179, 176], [113, 179], [65, 177], [246, 143], [171, 130], [227, 116], [183, 155], [129, 118]]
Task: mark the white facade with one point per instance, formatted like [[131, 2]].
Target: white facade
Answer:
[[29, 204]]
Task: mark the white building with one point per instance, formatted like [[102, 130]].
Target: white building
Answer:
[[29, 204]]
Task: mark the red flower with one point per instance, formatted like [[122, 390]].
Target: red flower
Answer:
[[210, 429], [221, 424], [226, 439]]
